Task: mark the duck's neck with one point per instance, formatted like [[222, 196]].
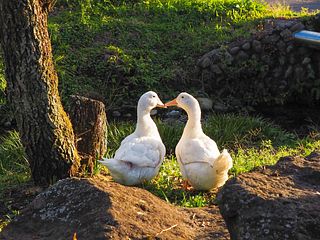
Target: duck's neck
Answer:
[[193, 127], [145, 124]]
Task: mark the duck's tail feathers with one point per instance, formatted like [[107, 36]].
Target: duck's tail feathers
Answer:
[[106, 161], [221, 167], [114, 165], [223, 163]]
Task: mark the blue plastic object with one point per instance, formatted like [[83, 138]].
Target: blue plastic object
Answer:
[[308, 37]]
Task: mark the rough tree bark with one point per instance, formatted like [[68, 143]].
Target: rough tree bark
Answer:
[[32, 87], [89, 122]]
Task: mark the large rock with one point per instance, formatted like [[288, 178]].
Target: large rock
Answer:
[[275, 202], [96, 208]]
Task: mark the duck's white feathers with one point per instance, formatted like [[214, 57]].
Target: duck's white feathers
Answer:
[[140, 154], [141, 151], [138, 159], [200, 149], [200, 160], [202, 164]]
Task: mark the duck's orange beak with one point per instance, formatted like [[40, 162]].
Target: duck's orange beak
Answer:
[[172, 103], [161, 106]]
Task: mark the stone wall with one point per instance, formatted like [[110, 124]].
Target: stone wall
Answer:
[[267, 68]]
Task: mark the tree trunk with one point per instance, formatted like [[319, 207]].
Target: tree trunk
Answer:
[[45, 129], [89, 122]]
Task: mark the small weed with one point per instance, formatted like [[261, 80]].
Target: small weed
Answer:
[[5, 220]]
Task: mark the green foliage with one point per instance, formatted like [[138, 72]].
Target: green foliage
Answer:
[[230, 130], [14, 167], [5, 220], [208, 9], [116, 133], [236, 130], [118, 49], [121, 49], [245, 159], [3, 83], [170, 133]]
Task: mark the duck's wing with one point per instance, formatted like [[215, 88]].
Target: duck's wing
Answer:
[[197, 150], [141, 152]]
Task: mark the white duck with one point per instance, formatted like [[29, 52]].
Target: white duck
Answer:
[[140, 155], [198, 155]]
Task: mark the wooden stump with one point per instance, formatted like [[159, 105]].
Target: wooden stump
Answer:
[[89, 122]]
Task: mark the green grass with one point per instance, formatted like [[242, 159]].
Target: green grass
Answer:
[[118, 50], [251, 141], [3, 83], [14, 168]]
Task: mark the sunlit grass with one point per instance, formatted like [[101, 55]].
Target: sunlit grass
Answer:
[[251, 141], [283, 10], [119, 49], [246, 159]]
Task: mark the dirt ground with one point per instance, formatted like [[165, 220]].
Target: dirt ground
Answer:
[[99, 209]]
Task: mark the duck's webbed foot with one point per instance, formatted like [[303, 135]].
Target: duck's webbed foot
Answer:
[[186, 185]]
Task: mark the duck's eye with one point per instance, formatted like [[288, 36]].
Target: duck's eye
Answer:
[[182, 96], [153, 96]]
